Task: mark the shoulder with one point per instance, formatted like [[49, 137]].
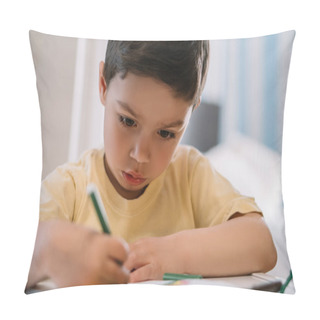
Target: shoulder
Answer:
[[90, 156], [187, 152], [188, 155], [76, 170], [188, 161]]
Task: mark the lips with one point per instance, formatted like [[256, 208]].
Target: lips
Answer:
[[133, 178]]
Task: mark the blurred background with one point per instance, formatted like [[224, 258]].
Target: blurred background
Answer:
[[244, 93], [238, 125]]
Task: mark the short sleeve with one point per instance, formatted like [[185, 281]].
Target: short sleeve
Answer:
[[58, 195], [214, 199]]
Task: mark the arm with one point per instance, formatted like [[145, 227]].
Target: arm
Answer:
[[242, 245], [71, 255]]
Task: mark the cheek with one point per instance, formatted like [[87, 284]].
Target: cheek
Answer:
[[114, 140], [163, 156]]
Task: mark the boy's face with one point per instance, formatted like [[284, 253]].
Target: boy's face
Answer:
[[143, 125]]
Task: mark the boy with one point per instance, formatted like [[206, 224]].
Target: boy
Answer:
[[176, 213]]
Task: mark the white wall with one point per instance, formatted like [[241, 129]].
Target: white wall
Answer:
[[55, 69], [67, 72]]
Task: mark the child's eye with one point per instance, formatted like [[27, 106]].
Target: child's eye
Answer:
[[127, 121], [166, 134]]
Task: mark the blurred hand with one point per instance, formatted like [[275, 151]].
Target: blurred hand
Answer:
[[71, 255]]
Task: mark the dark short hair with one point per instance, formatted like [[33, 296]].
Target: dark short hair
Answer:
[[182, 65]]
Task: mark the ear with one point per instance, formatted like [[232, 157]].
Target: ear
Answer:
[[197, 104], [102, 84]]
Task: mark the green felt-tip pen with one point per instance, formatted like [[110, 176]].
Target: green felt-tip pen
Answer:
[[180, 276], [101, 213], [99, 208]]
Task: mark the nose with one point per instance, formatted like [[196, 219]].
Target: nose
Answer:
[[141, 149]]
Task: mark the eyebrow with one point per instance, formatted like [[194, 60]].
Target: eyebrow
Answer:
[[173, 124], [126, 107]]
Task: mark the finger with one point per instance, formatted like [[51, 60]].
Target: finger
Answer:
[[144, 273], [138, 255], [116, 249], [125, 244], [126, 248], [113, 273], [135, 261]]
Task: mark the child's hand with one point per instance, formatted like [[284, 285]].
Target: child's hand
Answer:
[[93, 260], [71, 255], [150, 258]]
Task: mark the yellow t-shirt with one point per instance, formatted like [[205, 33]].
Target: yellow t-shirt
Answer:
[[188, 194]]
